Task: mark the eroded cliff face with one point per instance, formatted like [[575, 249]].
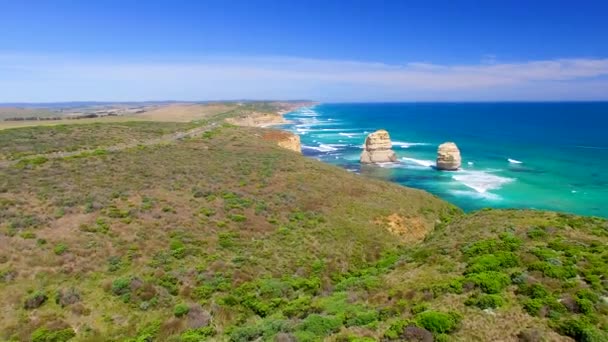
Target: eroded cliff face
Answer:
[[448, 157], [377, 148], [285, 140], [258, 120]]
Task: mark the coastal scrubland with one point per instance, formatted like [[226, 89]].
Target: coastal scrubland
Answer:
[[225, 236]]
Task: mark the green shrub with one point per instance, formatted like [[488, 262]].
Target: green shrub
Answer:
[[508, 243], [534, 306], [537, 233], [588, 294], [237, 217], [537, 291], [32, 161], [490, 282], [28, 235], [485, 301], [197, 335], [321, 325], [262, 330], [169, 282], [60, 249], [181, 310], [45, 335], [178, 249], [121, 286], [581, 330], [420, 307], [585, 305], [298, 307], [438, 322], [553, 271], [226, 240], [493, 262], [396, 329], [361, 318]]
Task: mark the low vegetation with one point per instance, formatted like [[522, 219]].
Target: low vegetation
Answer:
[[227, 237]]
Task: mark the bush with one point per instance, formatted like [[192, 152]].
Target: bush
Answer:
[[196, 335], [585, 305], [438, 322], [553, 271], [493, 262], [536, 291], [178, 249], [552, 307], [588, 294], [581, 330], [485, 301], [121, 286], [490, 282], [396, 329], [35, 300], [181, 310], [420, 307], [60, 249], [321, 325], [45, 335]]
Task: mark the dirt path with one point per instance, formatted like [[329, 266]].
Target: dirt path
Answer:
[[168, 138]]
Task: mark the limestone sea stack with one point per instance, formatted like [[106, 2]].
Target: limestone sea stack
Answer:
[[448, 157], [377, 148]]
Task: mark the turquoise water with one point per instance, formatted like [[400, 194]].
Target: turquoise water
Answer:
[[515, 155]]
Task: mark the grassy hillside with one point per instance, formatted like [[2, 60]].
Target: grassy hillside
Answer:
[[226, 237], [220, 237], [22, 142]]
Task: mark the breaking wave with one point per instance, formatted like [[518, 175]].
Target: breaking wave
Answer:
[[481, 181]]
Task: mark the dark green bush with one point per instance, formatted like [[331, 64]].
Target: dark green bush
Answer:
[[534, 291], [396, 329], [485, 301], [321, 325], [181, 310], [490, 282], [492, 262], [438, 322], [121, 286], [581, 330]]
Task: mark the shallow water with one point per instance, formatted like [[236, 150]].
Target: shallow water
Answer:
[[515, 155]]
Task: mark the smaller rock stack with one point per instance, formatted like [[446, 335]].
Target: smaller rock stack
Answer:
[[377, 148], [448, 157]]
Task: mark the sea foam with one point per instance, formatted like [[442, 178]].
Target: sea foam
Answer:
[[323, 147], [513, 161], [405, 144], [419, 162], [481, 181]]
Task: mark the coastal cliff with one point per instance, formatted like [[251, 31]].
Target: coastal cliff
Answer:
[[259, 120], [377, 148], [284, 139]]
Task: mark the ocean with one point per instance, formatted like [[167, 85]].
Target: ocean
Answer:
[[551, 156]]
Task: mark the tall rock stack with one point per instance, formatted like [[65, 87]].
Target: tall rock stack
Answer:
[[377, 148], [448, 157]]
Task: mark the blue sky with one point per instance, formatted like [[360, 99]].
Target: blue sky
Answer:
[[323, 50]]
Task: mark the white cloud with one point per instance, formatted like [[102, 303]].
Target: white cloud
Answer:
[[59, 78]]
